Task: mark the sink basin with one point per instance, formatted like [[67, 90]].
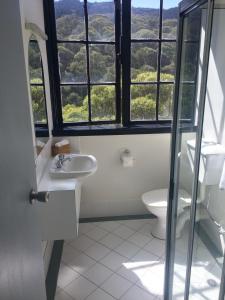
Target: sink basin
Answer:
[[74, 166]]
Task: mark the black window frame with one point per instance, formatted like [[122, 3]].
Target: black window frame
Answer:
[[41, 129], [122, 123]]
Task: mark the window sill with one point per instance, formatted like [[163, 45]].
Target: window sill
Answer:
[[41, 131], [112, 130]]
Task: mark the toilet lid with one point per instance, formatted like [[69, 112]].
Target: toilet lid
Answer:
[[158, 198]]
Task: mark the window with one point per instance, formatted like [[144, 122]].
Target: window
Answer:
[[111, 62], [37, 86]]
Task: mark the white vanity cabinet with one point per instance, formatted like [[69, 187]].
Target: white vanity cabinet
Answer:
[[59, 217]]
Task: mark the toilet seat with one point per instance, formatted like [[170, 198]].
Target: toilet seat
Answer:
[[158, 199]]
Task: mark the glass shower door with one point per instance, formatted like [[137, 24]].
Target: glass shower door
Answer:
[[187, 116], [185, 208], [209, 222]]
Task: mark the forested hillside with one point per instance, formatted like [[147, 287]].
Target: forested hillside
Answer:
[[73, 64]]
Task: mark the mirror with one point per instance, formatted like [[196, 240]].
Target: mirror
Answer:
[[38, 96]]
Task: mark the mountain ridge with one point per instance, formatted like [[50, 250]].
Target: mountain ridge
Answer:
[[68, 7]]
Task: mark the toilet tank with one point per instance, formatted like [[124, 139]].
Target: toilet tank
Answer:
[[211, 161]]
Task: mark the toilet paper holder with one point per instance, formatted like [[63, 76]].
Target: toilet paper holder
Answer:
[[126, 158]]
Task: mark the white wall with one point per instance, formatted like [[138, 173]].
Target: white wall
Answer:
[[114, 190]]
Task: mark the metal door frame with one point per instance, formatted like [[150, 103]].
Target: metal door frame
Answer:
[[185, 7]]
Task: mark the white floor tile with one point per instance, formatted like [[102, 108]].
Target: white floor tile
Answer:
[[80, 288], [134, 224], [82, 263], [97, 274], [145, 256], [82, 243], [66, 275], [69, 253], [99, 294], [127, 272], [156, 246], [97, 251], [113, 260], [111, 241], [135, 293], [116, 286], [109, 225], [123, 231], [142, 262], [85, 227], [139, 239], [153, 279], [61, 295], [147, 228], [97, 233], [127, 249]]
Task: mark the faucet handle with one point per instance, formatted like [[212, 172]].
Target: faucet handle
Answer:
[[61, 156]]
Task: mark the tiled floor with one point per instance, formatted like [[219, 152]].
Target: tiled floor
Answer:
[[112, 260]]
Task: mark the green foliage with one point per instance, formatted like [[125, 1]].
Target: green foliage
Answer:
[[73, 64], [38, 104], [102, 102], [143, 108], [73, 113]]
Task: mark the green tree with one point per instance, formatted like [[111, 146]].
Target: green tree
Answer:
[[102, 102], [38, 104]]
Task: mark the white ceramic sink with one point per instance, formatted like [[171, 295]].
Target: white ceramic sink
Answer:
[[74, 166]]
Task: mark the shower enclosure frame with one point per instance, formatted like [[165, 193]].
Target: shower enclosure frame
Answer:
[[185, 7]]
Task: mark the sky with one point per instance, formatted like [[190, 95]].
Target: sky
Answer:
[[147, 3]]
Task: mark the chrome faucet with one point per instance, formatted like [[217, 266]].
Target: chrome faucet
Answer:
[[61, 160]]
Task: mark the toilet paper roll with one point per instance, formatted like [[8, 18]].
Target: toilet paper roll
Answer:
[[127, 159]]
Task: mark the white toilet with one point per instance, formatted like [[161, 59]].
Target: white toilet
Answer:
[[156, 203], [210, 170]]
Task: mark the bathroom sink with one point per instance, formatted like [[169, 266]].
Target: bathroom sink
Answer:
[[73, 166]]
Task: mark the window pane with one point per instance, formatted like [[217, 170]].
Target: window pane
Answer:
[[143, 102], [72, 62], [74, 103], [165, 101], [170, 15], [69, 20], [38, 104], [168, 61], [103, 102], [190, 61], [145, 19], [35, 63], [102, 63], [144, 62], [101, 20]]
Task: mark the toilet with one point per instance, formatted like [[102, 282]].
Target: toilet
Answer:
[[210, 171], [156, 203]]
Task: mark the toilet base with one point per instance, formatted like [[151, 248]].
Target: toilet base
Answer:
[[159, 230]]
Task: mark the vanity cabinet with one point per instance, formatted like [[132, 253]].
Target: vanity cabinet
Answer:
[[59, 217]]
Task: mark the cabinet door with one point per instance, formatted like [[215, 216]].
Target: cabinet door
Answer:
[[59, 217]]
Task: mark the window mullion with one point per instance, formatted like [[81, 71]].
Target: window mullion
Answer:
[[159, 59], [126, 60], [118, 58], [87, 59], [53, 63]]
